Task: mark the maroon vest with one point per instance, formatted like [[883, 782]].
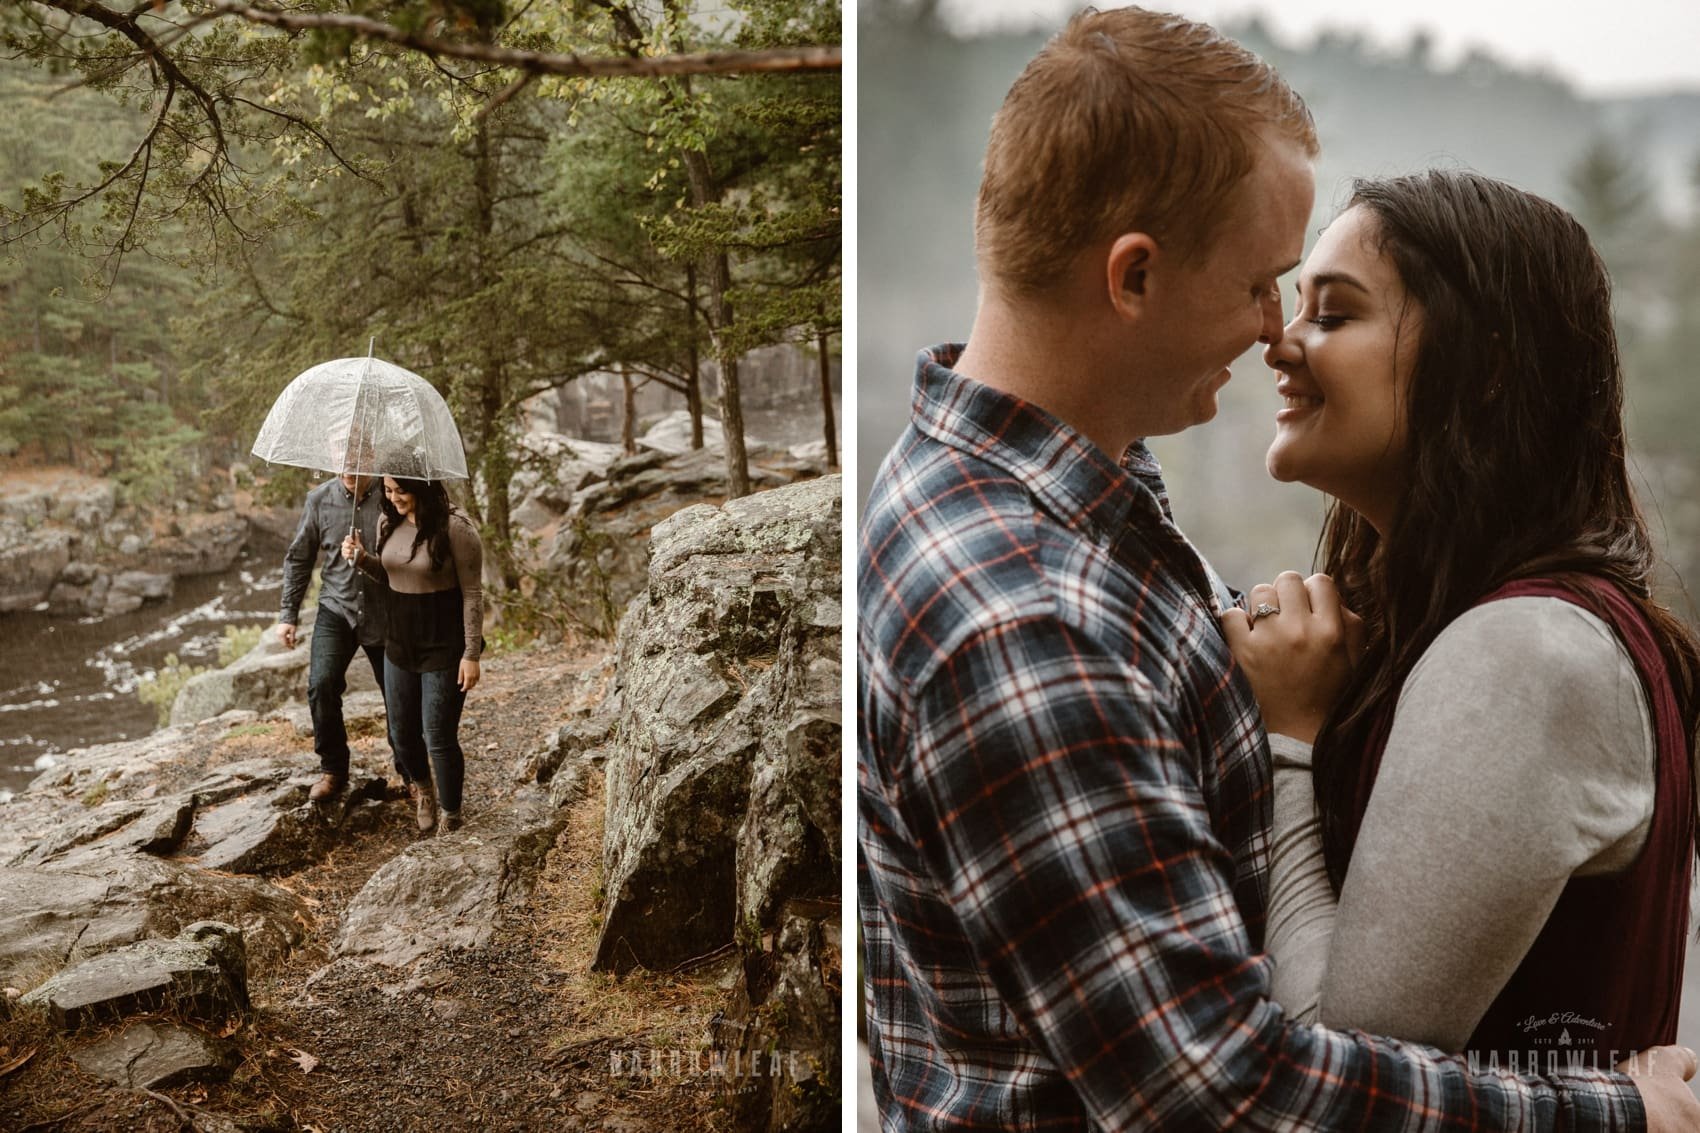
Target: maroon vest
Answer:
[[1604, 977]]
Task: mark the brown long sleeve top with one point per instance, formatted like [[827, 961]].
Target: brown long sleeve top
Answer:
[[407, 572]]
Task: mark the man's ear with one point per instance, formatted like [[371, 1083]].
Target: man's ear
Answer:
[[1128, 272]]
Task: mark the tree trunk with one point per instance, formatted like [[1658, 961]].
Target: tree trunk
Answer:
[[719, 318], [495, 456], [826, 401], [628, 416], [693, 379], [731, 400]]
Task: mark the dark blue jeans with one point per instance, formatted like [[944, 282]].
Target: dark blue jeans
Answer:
[[424, 712], [334, 646]]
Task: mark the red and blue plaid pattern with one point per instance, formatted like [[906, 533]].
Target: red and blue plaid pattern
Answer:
[[1063, 807]]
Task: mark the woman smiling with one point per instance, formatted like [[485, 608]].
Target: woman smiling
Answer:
[[1502, 827], [430, 558]]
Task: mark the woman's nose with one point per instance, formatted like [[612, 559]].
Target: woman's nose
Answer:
[[1281, 351]]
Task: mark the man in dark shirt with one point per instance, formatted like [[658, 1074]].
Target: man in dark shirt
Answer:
[[1062, 779], [350, 615]]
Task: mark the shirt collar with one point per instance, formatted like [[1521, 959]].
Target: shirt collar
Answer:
[[1069, 474], [371, 483]]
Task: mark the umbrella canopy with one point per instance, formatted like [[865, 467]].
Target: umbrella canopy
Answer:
[[363, 416]]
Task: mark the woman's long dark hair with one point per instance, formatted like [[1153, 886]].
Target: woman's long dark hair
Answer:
[[1514, 464], [430, 517]]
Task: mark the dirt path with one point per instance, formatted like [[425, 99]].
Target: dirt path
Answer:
[[519, 1035]]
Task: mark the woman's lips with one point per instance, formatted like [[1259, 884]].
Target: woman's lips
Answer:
[[1295, 406]]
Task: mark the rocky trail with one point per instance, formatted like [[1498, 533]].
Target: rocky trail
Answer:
[[637, 928], [515, 1034]]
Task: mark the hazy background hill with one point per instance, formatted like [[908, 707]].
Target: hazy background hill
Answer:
[[1625, 165]]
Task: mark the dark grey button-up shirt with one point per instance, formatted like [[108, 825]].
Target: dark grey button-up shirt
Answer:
[[325, 521]]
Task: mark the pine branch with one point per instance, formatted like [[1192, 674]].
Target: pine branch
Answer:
[[797, 59]]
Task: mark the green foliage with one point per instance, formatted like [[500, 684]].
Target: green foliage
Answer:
[[301, 193], [153, 466], [237, 642], [251, 730], [88, 367], [161, 688], [506, 639]]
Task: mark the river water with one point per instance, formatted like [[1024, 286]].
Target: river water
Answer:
[[70, 682]]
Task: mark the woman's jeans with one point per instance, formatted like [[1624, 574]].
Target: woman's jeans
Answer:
[[424, 714]]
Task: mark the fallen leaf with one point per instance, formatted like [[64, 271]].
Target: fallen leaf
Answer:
[[304, 1060], [17, 1062]]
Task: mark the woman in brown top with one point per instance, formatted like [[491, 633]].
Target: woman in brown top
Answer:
[[430, 558]]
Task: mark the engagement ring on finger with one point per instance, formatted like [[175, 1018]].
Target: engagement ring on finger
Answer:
[[1263, 610]]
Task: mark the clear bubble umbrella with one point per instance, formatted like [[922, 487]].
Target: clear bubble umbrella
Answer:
[[363, 417]]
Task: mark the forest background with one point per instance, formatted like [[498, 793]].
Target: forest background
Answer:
[[197, 204]]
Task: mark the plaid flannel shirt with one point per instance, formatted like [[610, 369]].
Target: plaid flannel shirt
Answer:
[[1063, 814]]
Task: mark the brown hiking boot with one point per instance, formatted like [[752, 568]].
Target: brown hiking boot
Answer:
[[328, 787], [450, 822], [426, 800]]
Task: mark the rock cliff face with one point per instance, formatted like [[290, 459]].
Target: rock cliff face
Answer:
[[722, 772], [67, 541], [721, 743], [595, 507]]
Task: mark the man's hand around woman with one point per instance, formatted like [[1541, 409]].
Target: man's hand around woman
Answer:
[[1298, 652]]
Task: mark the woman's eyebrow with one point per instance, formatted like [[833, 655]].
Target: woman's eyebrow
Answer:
[[1331, 277]]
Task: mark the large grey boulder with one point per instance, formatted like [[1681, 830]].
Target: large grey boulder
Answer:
[[65, 805], [157, 1056], [90, 827], [722, 782], [86, 505], [50, 915], [553, 469], [277, 829], [102, 852], [208, 543], [672, 434], [601, 544], [251, 816], [80, 589], [448, 892], [264, 679], [565, 746], [30, 559], [202, 973], [26, 505], [132, 589]]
